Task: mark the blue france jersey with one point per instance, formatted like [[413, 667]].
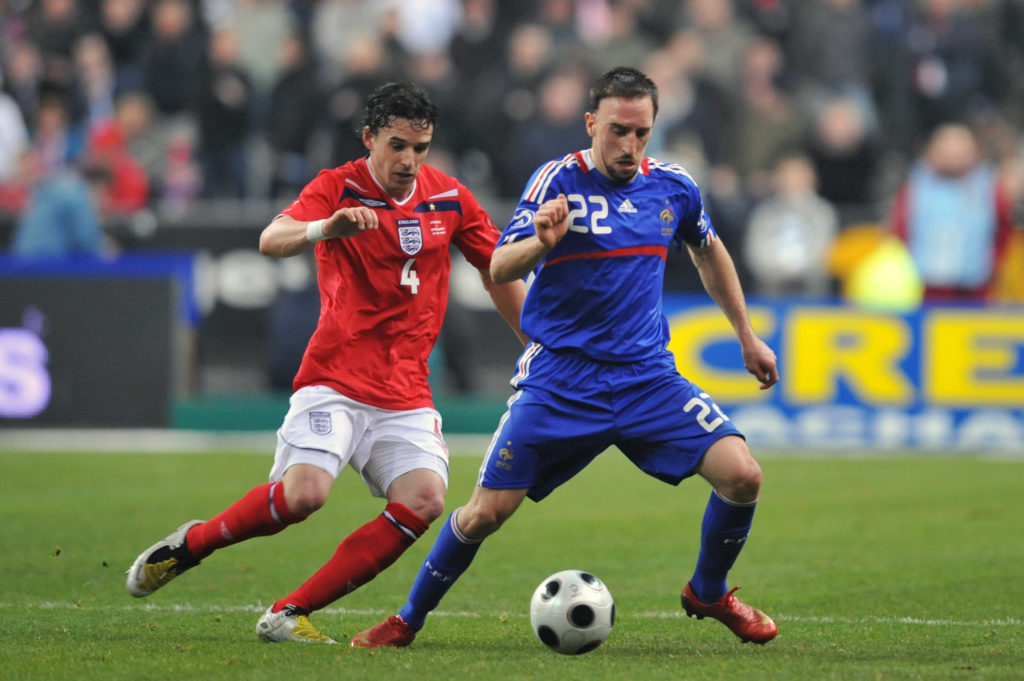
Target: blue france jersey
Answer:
[[599, 291]]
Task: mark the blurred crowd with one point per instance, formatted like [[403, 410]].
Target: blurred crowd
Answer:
[[802, 120]]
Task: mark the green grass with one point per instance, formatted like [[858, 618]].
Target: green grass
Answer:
[[874, 569]]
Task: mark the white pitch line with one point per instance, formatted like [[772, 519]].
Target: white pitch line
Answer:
[[650, 614]]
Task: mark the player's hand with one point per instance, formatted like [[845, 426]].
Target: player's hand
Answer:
[[552, 221], [351, 221], [760, 360]]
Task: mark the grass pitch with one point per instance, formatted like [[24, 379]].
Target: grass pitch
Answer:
[[874, 569]]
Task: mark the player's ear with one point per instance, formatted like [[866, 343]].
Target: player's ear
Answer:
[[368, 138]]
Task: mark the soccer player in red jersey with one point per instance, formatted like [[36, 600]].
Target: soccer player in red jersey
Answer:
[[381, 226]]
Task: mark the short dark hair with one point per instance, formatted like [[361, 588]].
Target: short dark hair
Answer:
[[399, 99], [623, 81]]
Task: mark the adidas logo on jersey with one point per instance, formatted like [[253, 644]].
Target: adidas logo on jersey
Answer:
[[627, 207]]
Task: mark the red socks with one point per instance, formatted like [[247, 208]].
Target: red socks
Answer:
[[259, 513], [359, 558]]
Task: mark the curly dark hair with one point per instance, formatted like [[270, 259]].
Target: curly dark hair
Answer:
[[399, 99], [623, 81]]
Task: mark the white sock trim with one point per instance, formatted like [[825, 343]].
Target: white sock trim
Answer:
[[454, 522], [737, 504]]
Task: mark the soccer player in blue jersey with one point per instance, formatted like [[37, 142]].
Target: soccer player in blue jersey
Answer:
[[595, 227]]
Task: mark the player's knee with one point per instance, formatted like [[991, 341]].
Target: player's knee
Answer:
[[743, 485], [305, 489], [304, 500], [428, 504]]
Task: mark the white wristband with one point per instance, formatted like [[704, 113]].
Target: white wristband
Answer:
[[315, 231]]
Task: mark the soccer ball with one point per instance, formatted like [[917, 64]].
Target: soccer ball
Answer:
[[572, 612]]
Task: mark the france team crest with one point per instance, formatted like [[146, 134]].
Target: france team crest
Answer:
[[320, 422], [410, 236]]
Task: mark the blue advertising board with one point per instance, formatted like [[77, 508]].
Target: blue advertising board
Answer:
[[941, 378]]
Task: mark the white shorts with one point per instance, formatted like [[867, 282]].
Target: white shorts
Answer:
[[328, 430]]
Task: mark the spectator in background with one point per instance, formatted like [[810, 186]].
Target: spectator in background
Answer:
[[260, 28], [126, 187], [366, 65], [54, 27], [693, 107], [182, 181], [56, 141], [122, 23], [956, 74], [846, 159], [95, 81], [508, 96], [293, 117], [425, 26], [336, 27], [727, 39], [224, 117], [1009, 283], [790, 234], [768, 122], [23, 78], [14, 139], [174, 59], [474, 45], [622, 42], [559, 17], [828, 53], [62, 218], [435, 73], [954, 216], [556, 123], [145, 141]]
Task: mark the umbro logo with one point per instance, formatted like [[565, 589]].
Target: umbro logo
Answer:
[[627, 207]]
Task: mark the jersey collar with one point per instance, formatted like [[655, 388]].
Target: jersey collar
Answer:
[[412, 190], [586, 160]]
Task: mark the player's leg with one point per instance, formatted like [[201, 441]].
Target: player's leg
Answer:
[[313, 444], [454, 549], [456, 546], [736, 481], [359, 558], [265, 510], [671, 444], [403, 458], [572, 430], [370, 549], [728, 517]]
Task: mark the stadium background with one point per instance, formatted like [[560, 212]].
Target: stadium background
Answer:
[[185, 325]]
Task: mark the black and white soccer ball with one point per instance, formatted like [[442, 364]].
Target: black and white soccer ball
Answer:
[[572, 612]]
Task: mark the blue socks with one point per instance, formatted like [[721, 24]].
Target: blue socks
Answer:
[[448, 558], [723, 532]]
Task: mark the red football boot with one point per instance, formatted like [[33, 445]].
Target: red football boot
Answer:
[[393, 632], [750, 624]]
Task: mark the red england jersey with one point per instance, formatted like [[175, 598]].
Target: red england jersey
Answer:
[[383, 293]]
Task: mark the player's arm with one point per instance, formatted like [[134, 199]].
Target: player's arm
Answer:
[[508, 301], [516, 259], [285, 236], [718, 274]]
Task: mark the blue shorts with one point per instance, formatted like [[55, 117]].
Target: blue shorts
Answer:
[[568, 409]]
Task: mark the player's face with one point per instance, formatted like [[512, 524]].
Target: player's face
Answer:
[[396, 154], [620, 129]]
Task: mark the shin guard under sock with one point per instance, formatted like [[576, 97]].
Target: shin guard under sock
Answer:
[[448, 558], [723, 532], [359, 558], [261, 512]]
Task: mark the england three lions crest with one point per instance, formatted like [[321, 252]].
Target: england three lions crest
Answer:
[[410, 236], [320, 422]]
